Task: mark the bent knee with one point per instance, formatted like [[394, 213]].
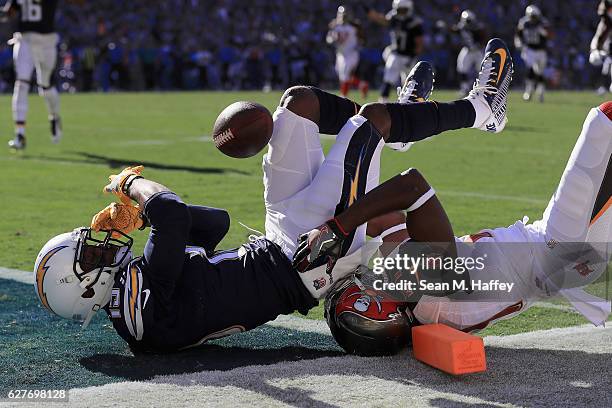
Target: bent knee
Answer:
[[378, 115], [302, 101], [414, 181]]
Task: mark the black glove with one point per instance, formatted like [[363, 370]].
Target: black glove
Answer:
[[322, 245]]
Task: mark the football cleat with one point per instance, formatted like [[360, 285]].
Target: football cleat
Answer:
[[490, 90], [18, 143], [417, 88], [418, 85], [56, 129]]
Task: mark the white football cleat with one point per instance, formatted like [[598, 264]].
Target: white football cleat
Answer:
[[489, 95]]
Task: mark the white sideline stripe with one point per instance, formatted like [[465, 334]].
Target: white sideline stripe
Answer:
[[356, 381], [300, 324], [17, 275]]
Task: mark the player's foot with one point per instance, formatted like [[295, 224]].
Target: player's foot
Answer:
[[418, 85], [18, 143], [490, 91], [417, 88], [526, 96], [56, 129]]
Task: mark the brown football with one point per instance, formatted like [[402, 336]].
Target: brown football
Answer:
[[242, 129]]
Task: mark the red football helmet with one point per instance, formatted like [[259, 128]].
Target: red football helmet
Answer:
[[367, 322]]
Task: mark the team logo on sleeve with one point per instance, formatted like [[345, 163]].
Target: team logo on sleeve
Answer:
[[132, 308]]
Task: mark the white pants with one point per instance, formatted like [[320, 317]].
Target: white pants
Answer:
[[397, 67], [576, 213], [346, 63], [34, 51], [534, 59], [468, 60], [303, 188]]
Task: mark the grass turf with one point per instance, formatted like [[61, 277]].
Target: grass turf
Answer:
[[483, 180]]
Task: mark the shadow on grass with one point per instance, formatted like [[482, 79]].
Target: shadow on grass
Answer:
[[115, 163]]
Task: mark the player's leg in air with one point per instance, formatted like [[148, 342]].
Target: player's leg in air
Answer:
[[304, 189]]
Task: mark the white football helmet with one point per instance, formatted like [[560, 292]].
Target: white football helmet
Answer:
[[468, 17], [533, 12], [407, 5], [74, 272]]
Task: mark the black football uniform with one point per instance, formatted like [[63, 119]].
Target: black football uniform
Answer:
[[403, 32], [36, 16], [533, 34], [472, 35], [181, 292]]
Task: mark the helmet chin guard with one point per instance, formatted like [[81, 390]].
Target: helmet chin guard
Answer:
[[75, 271], [367, 322]]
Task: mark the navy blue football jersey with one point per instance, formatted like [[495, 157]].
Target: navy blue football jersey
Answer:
[[34, 15], [403, 32], [182, 292]]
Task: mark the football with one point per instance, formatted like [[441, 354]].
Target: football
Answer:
[[242, 129]]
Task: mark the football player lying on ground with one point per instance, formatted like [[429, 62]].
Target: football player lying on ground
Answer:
[[555, 256], [171, 297]]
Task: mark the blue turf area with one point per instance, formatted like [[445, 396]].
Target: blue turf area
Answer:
[[41, 351]]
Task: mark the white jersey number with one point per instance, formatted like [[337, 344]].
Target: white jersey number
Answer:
[[31, 10]]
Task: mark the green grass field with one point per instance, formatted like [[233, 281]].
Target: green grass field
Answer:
[[483, 180]]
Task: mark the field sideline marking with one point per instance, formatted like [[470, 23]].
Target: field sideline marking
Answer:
[[17, 275]]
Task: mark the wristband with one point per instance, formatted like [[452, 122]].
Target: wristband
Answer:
[[336, 228], [125, 189]]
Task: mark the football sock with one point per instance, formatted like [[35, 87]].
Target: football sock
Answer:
[[385, 90], [344, 88], [52, 100], [20, 128], [20, 100], [334, 111], [413, 122]]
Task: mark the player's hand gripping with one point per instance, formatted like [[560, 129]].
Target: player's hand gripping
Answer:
[[322, 245], [119, 182], [120, 217]]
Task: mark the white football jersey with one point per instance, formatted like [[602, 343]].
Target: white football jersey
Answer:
[[345, 38]]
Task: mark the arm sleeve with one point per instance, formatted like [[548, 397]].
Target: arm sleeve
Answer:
[[208, 226], [164, 252]]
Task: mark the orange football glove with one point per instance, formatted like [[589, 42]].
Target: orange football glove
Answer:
[[121, 217], [118, 181]]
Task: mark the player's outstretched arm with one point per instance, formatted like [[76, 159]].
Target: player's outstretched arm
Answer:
[[426, 220]]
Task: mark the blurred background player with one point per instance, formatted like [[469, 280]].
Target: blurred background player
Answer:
[[406, 33], [601, 44], [470, 56], [34, 48], [345, 34], [531, 38]]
